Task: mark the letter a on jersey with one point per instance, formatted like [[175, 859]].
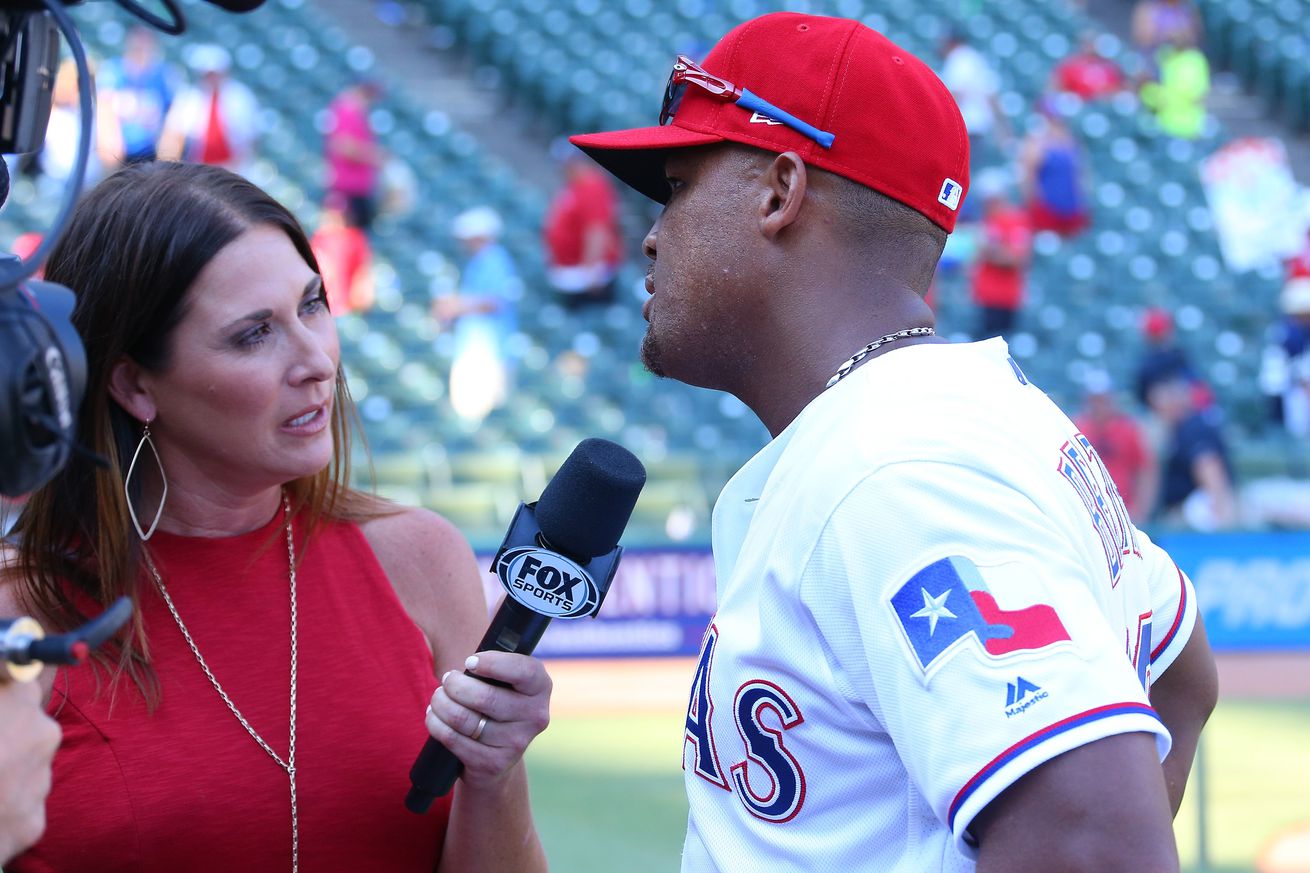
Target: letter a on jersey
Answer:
[[947, 603]]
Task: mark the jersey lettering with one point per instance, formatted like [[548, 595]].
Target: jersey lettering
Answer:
[[1082, 468], [700, 712], [770, 782], [1139, 650]]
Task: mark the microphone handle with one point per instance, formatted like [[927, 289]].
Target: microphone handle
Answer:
[[515, 629]]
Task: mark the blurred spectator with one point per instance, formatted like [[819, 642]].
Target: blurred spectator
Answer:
[[1087, 73], [352, 153], [1120, 442], [1298, 266], [216, 119], [1285, 366], [1178, 98], [1163, 358], [1160, 23], [584, 247], [1196, 477], [976, 87], [481, 314], [136, 92], [59, 152], [1001, 268], [1054, 174], [345, 259]]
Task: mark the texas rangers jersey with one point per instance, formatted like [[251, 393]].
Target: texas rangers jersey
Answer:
[[927, 586]]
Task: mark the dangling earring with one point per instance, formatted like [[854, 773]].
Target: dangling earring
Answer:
[[127, 480]]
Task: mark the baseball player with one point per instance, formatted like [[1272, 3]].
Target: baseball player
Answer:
[[940, 643]]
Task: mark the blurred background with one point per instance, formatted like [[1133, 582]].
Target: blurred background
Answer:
[[1136, 230]]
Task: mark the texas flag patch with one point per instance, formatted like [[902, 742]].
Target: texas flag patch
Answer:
[[947, 604]]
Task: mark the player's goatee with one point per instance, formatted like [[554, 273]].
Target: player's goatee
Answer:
[[650, 353]]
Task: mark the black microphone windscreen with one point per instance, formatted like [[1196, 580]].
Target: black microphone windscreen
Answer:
[[585, 507], [238, 5], [4, 182]]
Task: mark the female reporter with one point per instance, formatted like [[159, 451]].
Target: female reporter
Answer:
[[268, 701]]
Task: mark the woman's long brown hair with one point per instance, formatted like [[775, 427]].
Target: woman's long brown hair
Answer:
[[134, 246]]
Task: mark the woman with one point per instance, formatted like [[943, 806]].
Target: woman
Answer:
[[268, 700]]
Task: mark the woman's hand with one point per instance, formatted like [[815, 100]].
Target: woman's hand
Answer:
[[488, 727]]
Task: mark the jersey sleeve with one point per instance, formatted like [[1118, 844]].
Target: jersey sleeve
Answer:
[[976, 636], [1174, 610]]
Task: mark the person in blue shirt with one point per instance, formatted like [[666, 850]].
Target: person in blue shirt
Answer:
[[136, 91], [481, 316]]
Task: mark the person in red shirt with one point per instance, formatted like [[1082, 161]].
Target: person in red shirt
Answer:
[[345, 258], [1002, 266], [583, 245], [1087, 73], [1120, 442]]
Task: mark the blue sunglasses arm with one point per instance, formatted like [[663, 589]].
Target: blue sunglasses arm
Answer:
[[764, 107]]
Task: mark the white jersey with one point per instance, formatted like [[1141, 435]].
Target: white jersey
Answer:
[[927, 586]]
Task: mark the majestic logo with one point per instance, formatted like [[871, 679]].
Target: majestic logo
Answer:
[[1018, 689], [547, 583], [1022, 694], [947, 603], [950, 194], [756, 118]]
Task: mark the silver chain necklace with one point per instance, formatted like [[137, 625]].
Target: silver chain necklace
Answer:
[[863, 353], [289, 765]]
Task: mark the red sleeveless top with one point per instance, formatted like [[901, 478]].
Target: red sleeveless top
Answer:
[[185, 788]]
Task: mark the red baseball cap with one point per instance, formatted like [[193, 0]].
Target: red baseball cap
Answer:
[[895, 127], [1157, 323]]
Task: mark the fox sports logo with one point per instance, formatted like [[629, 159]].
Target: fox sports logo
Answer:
[[548, 583]]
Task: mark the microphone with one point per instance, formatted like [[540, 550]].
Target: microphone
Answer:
[[557, 561]]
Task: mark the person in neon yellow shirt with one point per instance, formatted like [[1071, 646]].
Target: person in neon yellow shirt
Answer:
[[1178, 98]]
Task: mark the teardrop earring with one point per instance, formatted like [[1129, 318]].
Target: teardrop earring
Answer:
[[127, 480]]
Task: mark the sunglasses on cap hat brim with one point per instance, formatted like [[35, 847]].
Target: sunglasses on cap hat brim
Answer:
[[686, 72]]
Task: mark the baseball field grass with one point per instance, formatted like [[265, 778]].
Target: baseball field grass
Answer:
[[607, 779]]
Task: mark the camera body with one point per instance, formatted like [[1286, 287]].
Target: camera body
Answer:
[[42, 380], [42, 362], [27, 77]]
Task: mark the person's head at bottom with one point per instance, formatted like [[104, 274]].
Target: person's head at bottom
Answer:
[[810, 170]]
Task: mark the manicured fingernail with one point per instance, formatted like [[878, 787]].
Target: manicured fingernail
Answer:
[[471, 662], [443, 677]]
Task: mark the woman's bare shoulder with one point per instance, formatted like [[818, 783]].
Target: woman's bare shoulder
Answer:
[[433, 570]]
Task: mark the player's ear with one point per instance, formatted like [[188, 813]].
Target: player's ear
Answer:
[[782, 192]]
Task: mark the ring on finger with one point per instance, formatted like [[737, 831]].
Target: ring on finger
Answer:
[[477, 731]]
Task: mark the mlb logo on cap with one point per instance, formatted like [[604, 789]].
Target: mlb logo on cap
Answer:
[[950, 194]]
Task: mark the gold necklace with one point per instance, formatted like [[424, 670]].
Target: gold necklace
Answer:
[[289, 764]]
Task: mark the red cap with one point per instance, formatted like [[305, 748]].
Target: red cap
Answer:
[[897, 128], [1157, 323]]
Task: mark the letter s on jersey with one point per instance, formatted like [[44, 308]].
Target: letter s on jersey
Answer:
[[769, 781], [764, 750]]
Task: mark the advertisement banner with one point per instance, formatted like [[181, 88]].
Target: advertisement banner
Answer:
[[1253, 589]]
